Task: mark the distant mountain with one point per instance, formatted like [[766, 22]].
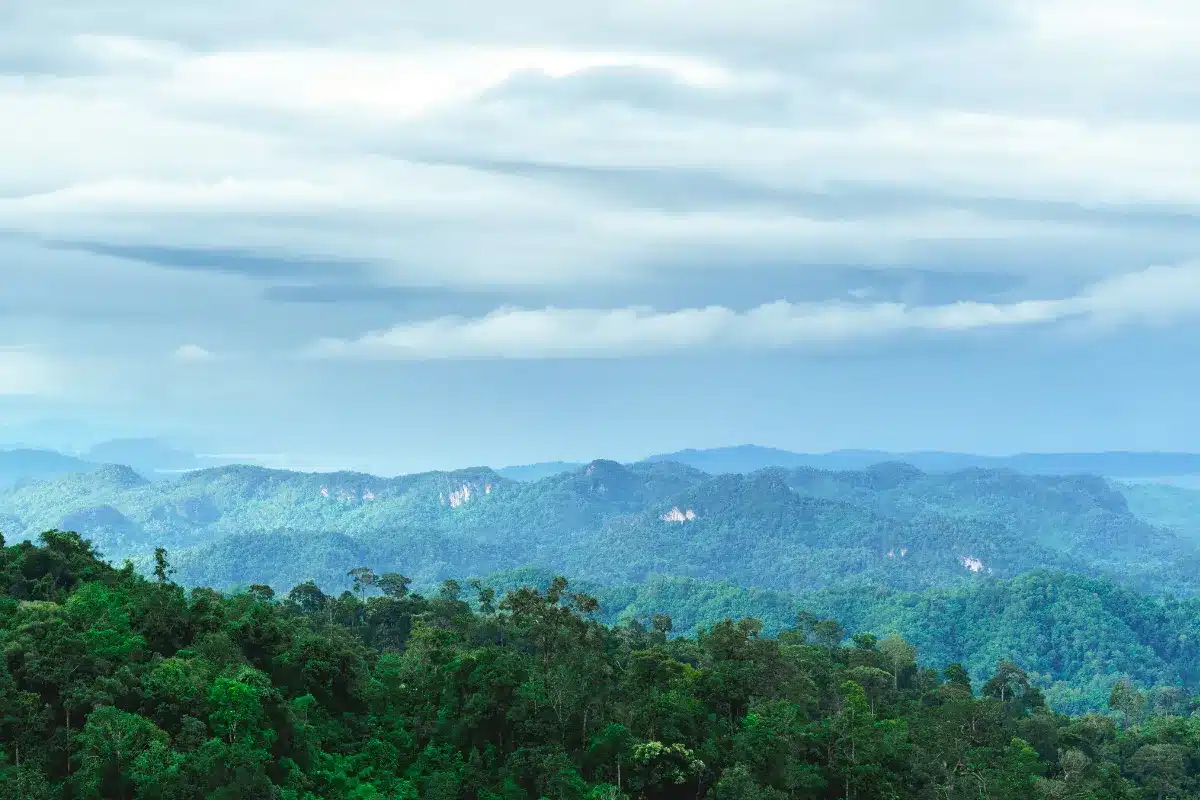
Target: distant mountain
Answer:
[[750, 458], [1168, 506], [151, 457], [789, 530], [17, 466], [65, 436], [535, 472], [743, 459]]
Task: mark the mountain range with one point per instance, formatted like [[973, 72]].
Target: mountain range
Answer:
[[1058, 571], [157, 459], [783, 529], [750, 458]]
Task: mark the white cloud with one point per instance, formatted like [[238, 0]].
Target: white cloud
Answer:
[[606, 145], [23, 372], [1156, 294], [230, 126], [193, 353]]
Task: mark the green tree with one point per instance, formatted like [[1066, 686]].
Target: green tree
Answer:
[[108, 748], [900, 655], [162, 569]]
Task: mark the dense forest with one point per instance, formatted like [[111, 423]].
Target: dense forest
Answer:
[[118, 685], [1082, 581], [1077, 637], [794, 530]]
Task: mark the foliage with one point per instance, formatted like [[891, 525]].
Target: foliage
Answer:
[[113, 685], [784, 530]]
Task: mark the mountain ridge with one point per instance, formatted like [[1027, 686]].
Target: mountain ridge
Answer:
[[789, 530], [751, 458]]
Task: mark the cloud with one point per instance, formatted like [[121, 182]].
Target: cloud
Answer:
[[1155, 295], [23, 372], [597, 143], [193, 353], [254, 264], [253, 175]]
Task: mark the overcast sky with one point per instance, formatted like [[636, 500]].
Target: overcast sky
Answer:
[[430, 234]]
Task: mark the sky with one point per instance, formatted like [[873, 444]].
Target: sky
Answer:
[[402, 236]]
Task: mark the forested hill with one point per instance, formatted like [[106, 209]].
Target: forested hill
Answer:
[[113, 685], [788, 530], [751, 458], [1076, 636], [22, 465]]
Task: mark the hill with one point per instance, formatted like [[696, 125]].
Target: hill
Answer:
[[150, 456], [751, 458], [1076, 636], [535, 472], [117, 686], [1172, 507], [785, 530], [22, 465]]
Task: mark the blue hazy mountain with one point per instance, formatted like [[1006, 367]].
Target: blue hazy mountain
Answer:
[[17, 466], [750, 458], [743, 459], [535, 472], [149, 456], [784, 529]]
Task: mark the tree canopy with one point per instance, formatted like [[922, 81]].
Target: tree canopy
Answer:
[[114, 685]]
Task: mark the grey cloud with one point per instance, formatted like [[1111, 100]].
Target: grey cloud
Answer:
[[792, 26], [653, 90], [617, 172], [691, 189], [26, 54], [406, 301], [253, 264]]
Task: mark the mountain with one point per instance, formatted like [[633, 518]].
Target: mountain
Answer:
[[119, 686], [17, 466], [777, 529], [1077, 636], [535, 472], [148, 456], [1172, 507], [750, 458]]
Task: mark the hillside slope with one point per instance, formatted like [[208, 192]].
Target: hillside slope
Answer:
[[787, 530], [24, 465]]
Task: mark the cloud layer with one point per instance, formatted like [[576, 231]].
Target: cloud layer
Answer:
[[600, 143], [26, 373], [1158, 294], [432, 182]]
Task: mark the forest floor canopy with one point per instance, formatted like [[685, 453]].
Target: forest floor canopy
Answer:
[[115, 685]]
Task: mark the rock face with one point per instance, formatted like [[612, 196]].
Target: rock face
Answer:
[[464, 494], [460, 496], [676, 515]]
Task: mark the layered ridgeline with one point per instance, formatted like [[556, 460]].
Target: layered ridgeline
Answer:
[[1076, 636], [25, 465], [954, 562], [786, 530], [751, 458], [118, 686]]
